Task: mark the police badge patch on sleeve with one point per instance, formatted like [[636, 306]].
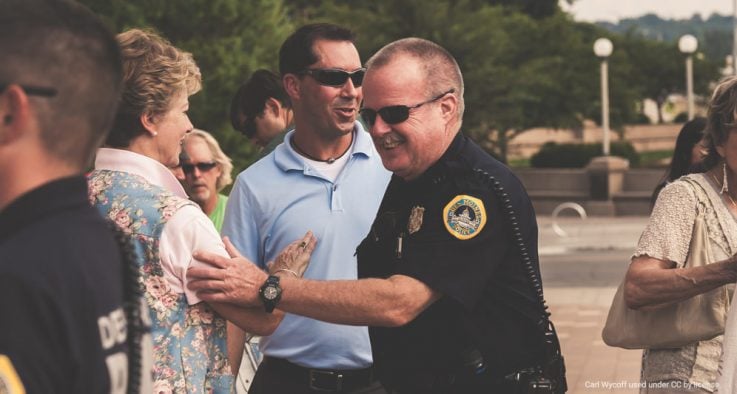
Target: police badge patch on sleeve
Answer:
[[464, 216], [9, 381]]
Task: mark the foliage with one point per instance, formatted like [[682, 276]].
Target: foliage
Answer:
[[714, 34], [658, 158], [516, 77], [534, 8], [659, 69], [553, 155], [682, 117], [525, 63], [229, 40]]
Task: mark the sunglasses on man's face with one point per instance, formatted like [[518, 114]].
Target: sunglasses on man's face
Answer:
[[188, 168], [336, 77], [396, 113]]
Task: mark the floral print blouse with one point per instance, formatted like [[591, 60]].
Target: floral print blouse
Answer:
[[190, 353]]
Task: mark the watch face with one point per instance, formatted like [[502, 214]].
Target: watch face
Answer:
[[270, 293]]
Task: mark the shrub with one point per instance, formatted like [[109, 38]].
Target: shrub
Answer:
[[682, 117], [552, 155], [642, 119]]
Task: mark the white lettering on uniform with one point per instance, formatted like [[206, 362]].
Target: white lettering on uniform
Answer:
[[113, 328], [121, 327], [117, 368]]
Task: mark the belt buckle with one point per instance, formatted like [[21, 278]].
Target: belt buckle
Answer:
[[337, 379]]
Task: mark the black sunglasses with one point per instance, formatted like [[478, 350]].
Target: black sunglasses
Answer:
[[335, 77], [32, 90], [396, 113], [188, 168]]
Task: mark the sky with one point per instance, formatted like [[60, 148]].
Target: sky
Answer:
[[613, 10]]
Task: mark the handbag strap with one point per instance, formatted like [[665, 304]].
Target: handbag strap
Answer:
[[705, 207], [703, 203]]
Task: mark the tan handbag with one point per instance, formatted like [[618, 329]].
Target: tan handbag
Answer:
[[698, 318]]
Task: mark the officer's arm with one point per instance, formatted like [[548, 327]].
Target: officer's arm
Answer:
[[377, 302], [390, 302]]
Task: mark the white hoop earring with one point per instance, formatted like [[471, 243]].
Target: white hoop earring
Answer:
[[725, 184]]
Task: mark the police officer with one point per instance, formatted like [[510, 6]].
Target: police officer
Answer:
[[451, 285]]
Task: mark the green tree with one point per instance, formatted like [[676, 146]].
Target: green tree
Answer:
[[534, 8], [526, 63], [516, 76], [229, 40], [658, 69]]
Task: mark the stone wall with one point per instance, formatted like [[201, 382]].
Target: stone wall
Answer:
[[549, 188], [645, 138]]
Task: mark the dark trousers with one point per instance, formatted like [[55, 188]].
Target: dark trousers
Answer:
[[277, 376], [425, 382]]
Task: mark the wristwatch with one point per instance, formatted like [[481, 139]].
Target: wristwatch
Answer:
[[270, 293]]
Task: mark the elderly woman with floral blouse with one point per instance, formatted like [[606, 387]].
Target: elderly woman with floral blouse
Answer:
[[657, 275], [133, 186]]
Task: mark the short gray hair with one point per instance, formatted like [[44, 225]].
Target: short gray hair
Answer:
[[440, 67]]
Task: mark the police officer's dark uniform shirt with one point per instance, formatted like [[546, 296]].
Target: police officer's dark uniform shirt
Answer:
[[62, 328], [455, 238]]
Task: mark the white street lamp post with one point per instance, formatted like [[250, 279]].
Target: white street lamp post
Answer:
[[688, 44], [603, 48]]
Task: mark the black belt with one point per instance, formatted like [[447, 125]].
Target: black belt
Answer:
[[322, 379]]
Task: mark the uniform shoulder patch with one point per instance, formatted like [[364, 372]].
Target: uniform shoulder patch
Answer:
[[464, 216], [9, 381]]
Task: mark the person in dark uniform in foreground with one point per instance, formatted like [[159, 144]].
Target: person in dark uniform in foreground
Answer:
[[63, 319], [450, 279]]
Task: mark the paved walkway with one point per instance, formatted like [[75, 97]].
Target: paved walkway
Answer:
[[579, 312]]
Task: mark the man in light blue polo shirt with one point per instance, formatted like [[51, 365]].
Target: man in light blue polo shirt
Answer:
[[327, 178]]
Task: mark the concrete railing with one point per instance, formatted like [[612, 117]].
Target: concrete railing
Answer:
[[604, 188]]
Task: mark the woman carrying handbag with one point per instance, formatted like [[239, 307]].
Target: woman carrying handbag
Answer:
[[693, 220]]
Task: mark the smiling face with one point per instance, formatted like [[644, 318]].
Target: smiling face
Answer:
[[410, 147], [171, 127], [329, 110]]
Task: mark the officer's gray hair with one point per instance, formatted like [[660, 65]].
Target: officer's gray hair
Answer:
[[440, 67]]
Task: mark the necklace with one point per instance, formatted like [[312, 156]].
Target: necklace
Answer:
[[329, 160], [734, 204]]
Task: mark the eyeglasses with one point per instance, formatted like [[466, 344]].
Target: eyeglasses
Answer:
[[188, 168], [32, 90], [396, 113], [335, 77]]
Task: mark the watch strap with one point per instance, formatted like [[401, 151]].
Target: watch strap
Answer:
[[271, 285]]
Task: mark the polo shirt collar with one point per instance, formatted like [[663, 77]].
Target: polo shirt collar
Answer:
[[287, 158], [149, 169]]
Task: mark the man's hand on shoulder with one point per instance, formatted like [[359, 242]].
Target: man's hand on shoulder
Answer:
[[234, 280]]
